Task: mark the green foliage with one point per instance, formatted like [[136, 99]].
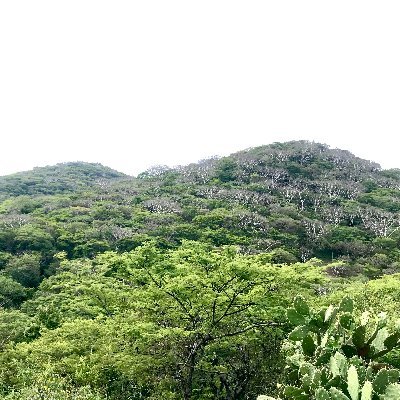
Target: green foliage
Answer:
[[252, 198], [25, 269], [12, 293], [225, 170], [53, 388], [15, 327], [60, 178], [334, 353], [175, 284]]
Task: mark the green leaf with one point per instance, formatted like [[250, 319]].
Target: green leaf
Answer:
[[337, 394], [295, 393], [381, 381], [316, 324], [308, 345], [392, 392], [317, 379], [338, 365], [370, 375], [383, 378], [298, 333], [366, 392], [306, 369], [324, 377], [349, 351], [322, 394], [337, 381], [346, 305], [307, 382], [379, 342], [293, 375], [394, 375], [294, 317], [353, 385], [392, 340], [323, 358], [295, 360], [358, 336], [301, 306], [362, 371], [346, 321]]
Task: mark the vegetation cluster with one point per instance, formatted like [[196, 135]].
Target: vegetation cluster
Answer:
[[178, 283]]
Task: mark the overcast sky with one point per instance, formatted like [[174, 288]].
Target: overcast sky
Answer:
[[136, 83]]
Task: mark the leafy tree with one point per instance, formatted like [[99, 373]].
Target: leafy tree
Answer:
[[12, 293], [202, 300], [225, 170], [25, 269], [15, 327]]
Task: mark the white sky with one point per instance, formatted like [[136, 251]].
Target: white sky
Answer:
[[136, 83]]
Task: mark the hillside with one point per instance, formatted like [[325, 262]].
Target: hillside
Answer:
[[60, 178], [300, 197], [296, 200], [107, 280]]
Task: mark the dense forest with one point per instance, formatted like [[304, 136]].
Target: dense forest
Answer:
[[273, 272]]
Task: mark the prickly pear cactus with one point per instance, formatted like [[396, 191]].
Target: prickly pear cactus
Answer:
[[334, 355]]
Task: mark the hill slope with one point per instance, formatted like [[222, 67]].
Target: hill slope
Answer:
[[302, 197], [60, 178], [296, 199], [174, 284]]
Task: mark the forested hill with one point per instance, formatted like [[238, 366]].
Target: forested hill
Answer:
[[299, 199], [60, 178], [172, 284], [295, 200]]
